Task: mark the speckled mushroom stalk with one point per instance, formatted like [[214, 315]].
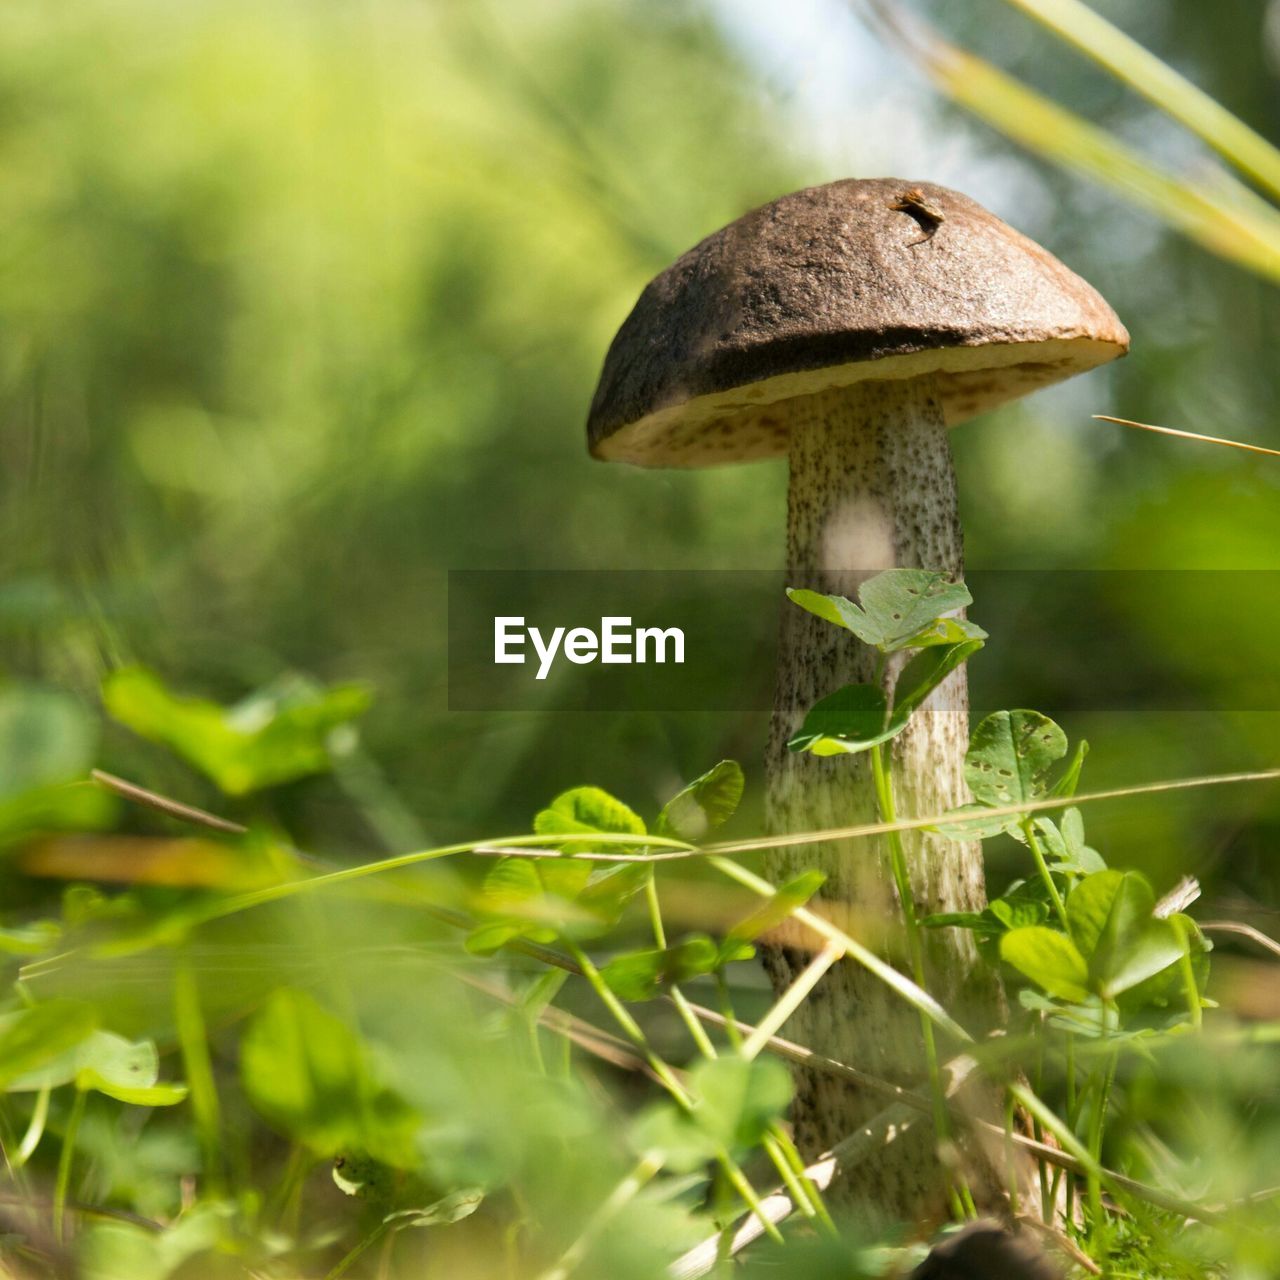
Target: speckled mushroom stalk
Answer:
[[871, 487], [847, 327]]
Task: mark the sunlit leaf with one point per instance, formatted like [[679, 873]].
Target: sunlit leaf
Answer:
[[1113, 925], [35, 1040], [275, 735], [897, 609], [706, 803], [47, 746], [738, 1100], [309, 1074], [787, 899], [442, 1213], [147, 1095], [924, 673], [848, 721], [587, 810], [1049, 958], [1010, 755], [641, 975]]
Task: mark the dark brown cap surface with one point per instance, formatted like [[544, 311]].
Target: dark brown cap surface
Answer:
[[876, 278]]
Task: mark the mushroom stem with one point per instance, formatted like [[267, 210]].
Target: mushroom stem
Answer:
[[872, 487]]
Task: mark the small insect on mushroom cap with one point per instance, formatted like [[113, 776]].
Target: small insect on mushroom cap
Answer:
[[927, 215], [986, 1251]]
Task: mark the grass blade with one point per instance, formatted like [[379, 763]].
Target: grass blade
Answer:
[[1189, 435], [1146, 74], [1245, 231]]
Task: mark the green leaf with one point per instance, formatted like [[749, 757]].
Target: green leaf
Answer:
[[1049, 958], [971, 822], [838, 610], [976, 921], [845, 722], [737, 1100], [99, 1060], [1024, 902], [683, 1145], [1167, 989], [509, 885], [923, 674], [486, 939], [46, 738], [443, 1213], [641, 975], [1070, 780], [1088, 1018], [48, 743], [537, 898], [608, 891], [1010, 755], [585, 811], [1114, 901], [306, 1072], [1065, 844], [786, 900], [150, 1095], [707, 802], [733, 950], [114, 1063], [30, 939], [282, 732], [35, 1039], [899, 609], [127, 1063], [1112, 922]]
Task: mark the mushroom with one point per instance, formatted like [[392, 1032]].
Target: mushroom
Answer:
[[847, 327]]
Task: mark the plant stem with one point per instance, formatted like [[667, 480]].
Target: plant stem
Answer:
[[194, 1043], [35, 1130], [63, 1182], [344, 1264], [1042, 1172], [1189, 976], [667, 1077], [779, 1147], [791, 999], [732, 1034], [1096, 1127], [910, 991], [802, 1188], [1072, 1117], [618, 1198], [630, 1027], [1033, 843], [961, 1199], [696, 1030]]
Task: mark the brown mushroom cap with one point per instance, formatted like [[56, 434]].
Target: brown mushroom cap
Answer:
[[865, 278]]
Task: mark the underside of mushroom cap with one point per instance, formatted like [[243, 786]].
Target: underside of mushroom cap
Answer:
[[861, 279]]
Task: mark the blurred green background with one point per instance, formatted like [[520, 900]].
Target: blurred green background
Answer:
[[302, 305]]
